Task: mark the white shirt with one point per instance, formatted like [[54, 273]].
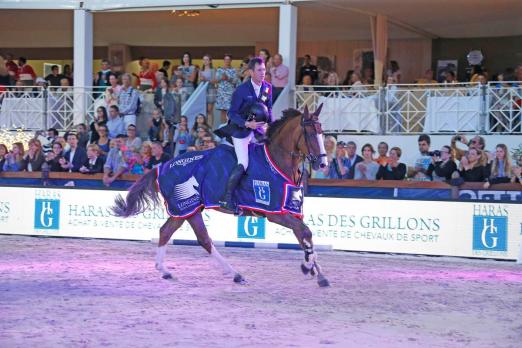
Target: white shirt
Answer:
[[257, 88]]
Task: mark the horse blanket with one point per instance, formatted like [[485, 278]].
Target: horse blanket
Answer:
[[197, 179]]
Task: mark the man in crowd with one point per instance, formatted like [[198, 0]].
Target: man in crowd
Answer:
[[279, 73], [115, 164], [308, 70], [382, 149], [74, 158], [477, 142], [53, 79], [128, 101], [83, 135], [158, 156], [101, 79], [115, 124], [165, 68], [353, 158], [424, 160]]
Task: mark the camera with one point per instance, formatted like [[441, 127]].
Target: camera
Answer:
[[435, 153]]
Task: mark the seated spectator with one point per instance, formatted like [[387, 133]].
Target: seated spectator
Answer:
[[330, 144], [418, 172], [199, 122], [115, 124], [442, 165], [501, 167], [339, 166], [83, 136], [158, 156], [146, 154], [48, 140], [394, 170], [14, 160], [133, 142], [94, 163], [353, 158], [156, 126], [115, 164], [201, 135], [470, 168], [3, 152], [100, 118], [383, 158], [136, 163], [103, 141], [75, 157], [53, 158], [516, 177], [477, 142], [33, 158], [367, 169], [182, 139]]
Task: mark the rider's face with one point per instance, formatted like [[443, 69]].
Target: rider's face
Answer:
[[258, 74]]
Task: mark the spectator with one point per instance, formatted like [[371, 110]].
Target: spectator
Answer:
[[135, 164], [112, 92], [146, 154], [67, 71], [75, 157], [115, 165], [228, 79], [265, 54], [501, 167], [12, 68], [394, 170], [424, 160], [279, 73], [146, 77], [180, 96], [427, 78], [367, 76], [308, 70], [19, 90], [383, 158], [53, 158], [158, 156], [115, 124], [243, 68], [156, 126], [182, 139], [394, 71], [48, 140], [208, 73], [477, 142], [83, 136], [33, 158], [103, 141], [348, 78], [199, 122], [357, 85], [339, 166], [165, 68], [5, 77], [54, 78], [100, 118], [3, 153], [199, 139], [133, 142], [353, 158], [128, 101], [26, 73], [101, 79], [94, 163], [166, 102], [470, 168], [449, 77], [187, 72], [330, 144], [442, 165], [14, 160], [368, 168]]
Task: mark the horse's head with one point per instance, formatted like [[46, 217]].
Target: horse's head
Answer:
[[313, 145]]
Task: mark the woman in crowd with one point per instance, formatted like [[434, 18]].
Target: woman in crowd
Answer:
[[348, 78], [53, 157], [501, 167], [112, 93], [208, 73], [103, 141], [330, 144], [14, 160], [471, 170], [339, 166], [265, 54], [199, 122], [187, 72], [227, 78], [100, 119], [357, 85], [94, 163], [442, 166], [34, 158], [394, 170], [368, 168], [166, 102], [3, 152], [394, 71]]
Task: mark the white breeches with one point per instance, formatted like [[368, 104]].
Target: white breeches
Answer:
[[241, 147]]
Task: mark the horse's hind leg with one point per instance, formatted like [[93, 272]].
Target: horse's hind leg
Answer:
[[197, 224], [304, 237], [166, 231]]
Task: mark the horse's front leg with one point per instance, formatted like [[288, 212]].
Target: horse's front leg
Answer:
[[166, 231], [304, 237]]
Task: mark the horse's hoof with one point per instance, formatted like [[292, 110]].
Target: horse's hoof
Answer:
[[305, 269], [238, 279], [167, 276], [323, 282]]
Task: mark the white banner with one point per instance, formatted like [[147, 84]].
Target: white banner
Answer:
[[470, 229]]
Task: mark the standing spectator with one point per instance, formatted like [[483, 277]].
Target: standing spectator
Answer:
[[53, 158], [3, 153], [128, 101], [182, 139], [103, 141], [83, 136], [424, 160], [112, 92], [368, 168], [33, 158], [470, 168], [101, 79], [187, 72], [12, 68], [243, 72], [442, 166], [394, 71], [156, 126], [228, 79], [339, 166], [265, 54], [54, 78], [75, 157], [180, 96], [115, 124], [279, 73], [382, 149], [501, 167], [100, 118], [308, 70], [158, 156], [353, 158], [165, 68], [133, 142], [67, 71], [208, 73], [115, 164], [394, 170], [146, 77], [14, 160], [330, 145], [94, 163], [166, 102], [26, 73]]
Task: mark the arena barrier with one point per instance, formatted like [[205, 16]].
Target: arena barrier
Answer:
[[465, 229]]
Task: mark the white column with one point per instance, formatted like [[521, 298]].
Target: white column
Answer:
[[288, 49], [83, 57]]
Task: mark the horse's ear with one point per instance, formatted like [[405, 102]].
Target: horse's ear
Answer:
[[306, 113], [318, 111]]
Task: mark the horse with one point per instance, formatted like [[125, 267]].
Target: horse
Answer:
[[294, 138]]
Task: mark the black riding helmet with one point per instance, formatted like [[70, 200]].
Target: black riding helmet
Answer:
[[258, 112]]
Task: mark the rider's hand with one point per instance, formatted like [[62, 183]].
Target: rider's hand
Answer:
[[253, 124]]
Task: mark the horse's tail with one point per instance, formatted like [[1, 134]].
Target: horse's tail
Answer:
[[142, 196]]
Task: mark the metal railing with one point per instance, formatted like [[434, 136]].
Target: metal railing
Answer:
[[504, 107]]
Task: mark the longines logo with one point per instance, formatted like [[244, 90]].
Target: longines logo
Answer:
[[490, 227], [47, 214], [251, 227], [184, 161]]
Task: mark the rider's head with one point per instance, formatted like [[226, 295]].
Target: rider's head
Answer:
[[257, 69]]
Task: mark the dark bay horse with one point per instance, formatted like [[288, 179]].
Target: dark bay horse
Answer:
[[292, 139]]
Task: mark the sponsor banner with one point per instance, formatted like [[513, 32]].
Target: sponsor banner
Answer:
[[470, 229], [491, 195]]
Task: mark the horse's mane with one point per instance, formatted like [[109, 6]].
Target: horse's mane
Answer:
[[275, 127]]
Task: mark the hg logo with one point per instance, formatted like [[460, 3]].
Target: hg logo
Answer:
[[490, 233], [47, 214], [251, 227]]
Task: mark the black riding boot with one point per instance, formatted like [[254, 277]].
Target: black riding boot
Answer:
[[233, 181]]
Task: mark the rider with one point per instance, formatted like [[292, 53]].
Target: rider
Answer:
[[250, 110]]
